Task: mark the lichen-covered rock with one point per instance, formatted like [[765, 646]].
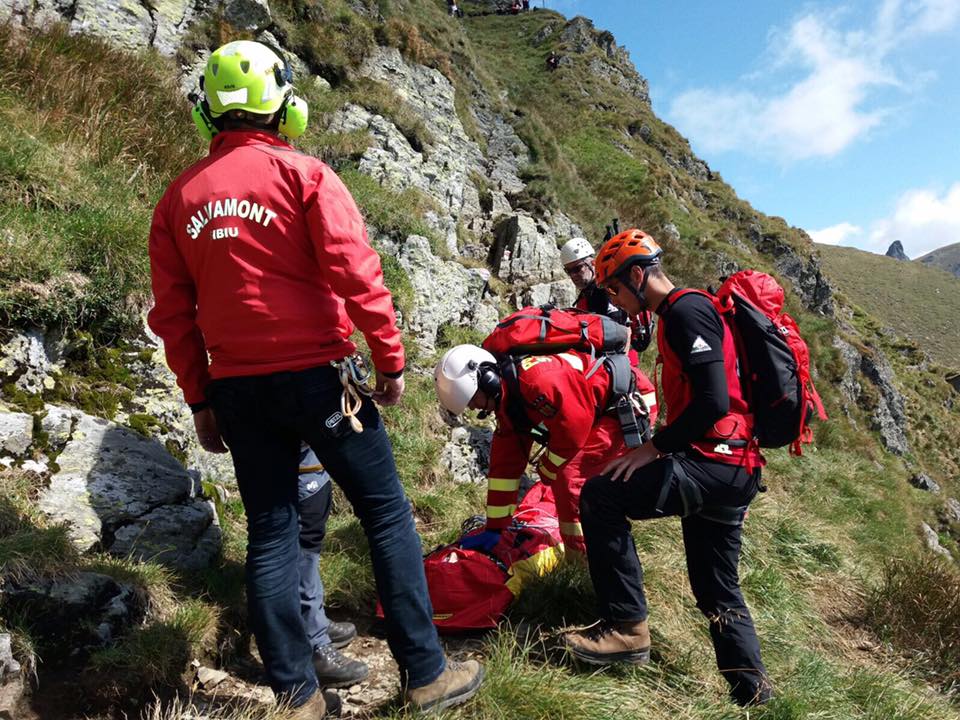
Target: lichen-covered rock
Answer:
[[522, 254], [505, 154], [560, 293], [58, 425], [28, 360], [172, 17], [804, 273], [951, 511], [445, 292], [889, 416], [123, 23], [16, 432], [81, 611], [250, 15], [467, 455], [922, 481], [932, 541], [850, 383], [110, 478]]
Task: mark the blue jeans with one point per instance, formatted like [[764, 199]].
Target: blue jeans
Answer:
[[314, 500], [263, 419]]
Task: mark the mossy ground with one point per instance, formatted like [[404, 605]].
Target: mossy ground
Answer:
[[79, 183]]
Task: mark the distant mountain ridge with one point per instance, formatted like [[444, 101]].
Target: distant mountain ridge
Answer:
[[946, 258]]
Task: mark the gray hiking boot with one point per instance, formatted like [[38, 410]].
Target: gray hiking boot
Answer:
[[609, 642], [334, 669], [341, 633]]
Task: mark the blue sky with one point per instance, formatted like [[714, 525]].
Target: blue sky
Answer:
[[841, 117]]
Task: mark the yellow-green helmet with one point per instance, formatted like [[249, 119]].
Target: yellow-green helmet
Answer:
[[245, 75]]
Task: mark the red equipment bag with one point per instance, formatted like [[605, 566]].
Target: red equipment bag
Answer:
[[774, 359], [547, 331], [471, 589]]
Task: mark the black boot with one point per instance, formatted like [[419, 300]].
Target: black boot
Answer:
[[341, 633], [334, 669]]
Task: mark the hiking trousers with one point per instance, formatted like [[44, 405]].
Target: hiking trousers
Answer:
[[604, 443], [263, 419], [711, 500]]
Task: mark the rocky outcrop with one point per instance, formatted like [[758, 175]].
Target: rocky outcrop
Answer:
[[125, 494], [466, 457], [11, 680], [521, 253], [560, 293], [579, 36], [82, 611], [896, 252], [16, 433], [889, 416], [30, 360], [932, 541], [804, 273], [922, 481], [445, 292]]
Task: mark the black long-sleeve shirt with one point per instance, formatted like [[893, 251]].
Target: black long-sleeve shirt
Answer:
[[694, 331]]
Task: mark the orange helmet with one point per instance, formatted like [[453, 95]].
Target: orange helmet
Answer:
[[629, 248]]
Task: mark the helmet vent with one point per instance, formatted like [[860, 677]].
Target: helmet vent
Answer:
[[215, 68], [245, 66]]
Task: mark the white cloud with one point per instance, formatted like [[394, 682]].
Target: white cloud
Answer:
[[834, 101], [836, 234], [922, 220]]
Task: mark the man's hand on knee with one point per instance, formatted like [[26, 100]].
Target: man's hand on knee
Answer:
[[625, 465]]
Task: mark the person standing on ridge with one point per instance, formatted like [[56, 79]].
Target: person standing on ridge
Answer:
[[259, 258], [702, 465], [557, 393]]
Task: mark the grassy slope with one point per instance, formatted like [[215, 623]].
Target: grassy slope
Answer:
[[813, 547], [917, 301]]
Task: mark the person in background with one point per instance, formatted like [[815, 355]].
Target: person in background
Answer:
[[326, 636]]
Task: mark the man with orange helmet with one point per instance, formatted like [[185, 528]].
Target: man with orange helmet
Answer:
[[702, 465], [555, 397]]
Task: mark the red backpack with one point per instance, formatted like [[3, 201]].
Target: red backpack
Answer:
[[550, 331], [774, 360]]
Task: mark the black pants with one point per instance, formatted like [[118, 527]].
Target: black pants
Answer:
[[686, 486]]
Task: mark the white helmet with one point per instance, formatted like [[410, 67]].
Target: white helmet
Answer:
[[457, 376], [575, 249]]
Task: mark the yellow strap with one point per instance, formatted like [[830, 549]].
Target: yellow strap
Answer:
[[549, 474], [311, 469], [555, 459], [573, 529], [506, 484], [495, 512]]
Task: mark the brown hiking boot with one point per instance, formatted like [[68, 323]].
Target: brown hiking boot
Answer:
[[456, 684], [610, 642], [322, 704]]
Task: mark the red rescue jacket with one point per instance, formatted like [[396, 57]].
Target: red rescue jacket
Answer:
[[558, 395], [730, 440], [259, 257]]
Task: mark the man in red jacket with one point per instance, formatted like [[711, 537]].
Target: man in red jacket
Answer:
[[558, 402], [702, 465], [260, 260]]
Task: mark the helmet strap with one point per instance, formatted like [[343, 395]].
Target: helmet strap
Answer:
[[639, 292]]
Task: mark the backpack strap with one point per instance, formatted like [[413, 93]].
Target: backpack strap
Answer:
[[514, 405]]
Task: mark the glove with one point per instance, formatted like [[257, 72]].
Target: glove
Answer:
[[483, 541]]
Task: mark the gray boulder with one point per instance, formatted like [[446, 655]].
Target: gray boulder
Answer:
[[951, 511], [445, 292], [81, 611], [522, 254], [250, 15], [922, 481], [16, 432], [889, 416], [8, 665], [932, 541], [120, 492], [28, 359], [126, 24], [11, 680], [896, 252], [804, 273], [560, 293], [466, 457]]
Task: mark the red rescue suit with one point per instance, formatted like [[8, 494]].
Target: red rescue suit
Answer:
[[259, 255], [557, 394], [731, 439]]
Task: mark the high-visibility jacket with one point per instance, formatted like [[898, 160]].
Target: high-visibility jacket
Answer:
[[260, 258], [556, 394], [730, 440]]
